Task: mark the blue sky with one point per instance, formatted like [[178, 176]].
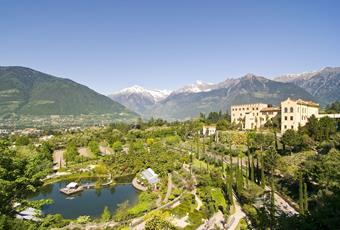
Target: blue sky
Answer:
[[108, 45]]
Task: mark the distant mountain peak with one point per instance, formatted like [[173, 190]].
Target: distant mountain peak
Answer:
[[156, 95], [198, 87]]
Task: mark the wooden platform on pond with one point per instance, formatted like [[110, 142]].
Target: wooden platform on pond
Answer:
[[69, 191]]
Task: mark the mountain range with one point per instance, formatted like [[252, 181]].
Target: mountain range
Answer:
[[322, 86], [25, 91]]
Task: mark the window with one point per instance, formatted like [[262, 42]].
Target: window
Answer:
[[242, 108], [285, 126], [247, 108], [291, 118], [291, 109], [286, 118], [292, 127], [286, 110]]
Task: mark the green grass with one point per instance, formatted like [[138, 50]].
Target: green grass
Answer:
[[145, 203], [218, 197]]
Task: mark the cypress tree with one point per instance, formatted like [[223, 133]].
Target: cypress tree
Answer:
[[197, 146], [305, 197], [272, 204], [252, 171], [301, 200], [230, 186], [203, 146], [249, 174], [263, 179], [257, 173]]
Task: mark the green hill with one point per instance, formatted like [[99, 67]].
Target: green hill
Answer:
[[24, 91]]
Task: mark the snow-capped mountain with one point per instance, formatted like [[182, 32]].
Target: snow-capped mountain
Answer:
[[198, 87], [323, 84], [138, 98], [156, 95]]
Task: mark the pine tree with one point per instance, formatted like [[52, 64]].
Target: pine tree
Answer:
[[301, 200]]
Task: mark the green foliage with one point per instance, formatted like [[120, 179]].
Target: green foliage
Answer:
[[157, 223], [320, 130], [20, 175], [10, 223], [146, 202], [292, 139], [301, 201], [333, 108], [42, 94], [117, 146], [22, 140], [53, 221], [94, 147], [83, 219], [71, 152], [106, 215]]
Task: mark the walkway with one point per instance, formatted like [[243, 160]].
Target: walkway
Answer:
[[235, 218], [168, 192], [138, 185], [216, 220]]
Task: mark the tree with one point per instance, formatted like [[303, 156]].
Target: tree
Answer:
[[272, 204], [292, 139], [333, 108], [263, 178], [158, 223], [94, 147], [19, 175], [305, 197], [71, 152], [117, 146], [22, 140], [327, 126], [301, 201], [106, 215]]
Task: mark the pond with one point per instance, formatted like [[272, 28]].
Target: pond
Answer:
[[90, 202]]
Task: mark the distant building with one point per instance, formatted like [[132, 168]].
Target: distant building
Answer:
[[295, 113], [209, 130], [150, 176], [252, 116], [4, 132]]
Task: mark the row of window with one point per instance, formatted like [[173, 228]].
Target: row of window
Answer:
[[291, 118], [239, 109], [292, 127], [291, 110]]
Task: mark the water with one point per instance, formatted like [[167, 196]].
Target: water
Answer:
[[90, 202]]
